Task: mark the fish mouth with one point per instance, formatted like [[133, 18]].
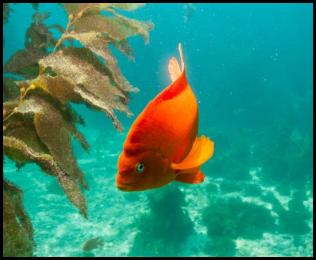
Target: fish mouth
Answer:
[[124, 186]]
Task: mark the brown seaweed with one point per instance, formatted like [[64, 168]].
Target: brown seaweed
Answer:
[[98, 43], [89, 79], [17, 228], [38, 120], [24, 62], [10, 90], [6, 12]]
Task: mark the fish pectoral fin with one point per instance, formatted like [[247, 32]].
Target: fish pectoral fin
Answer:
[[201, 151], [190, 177]]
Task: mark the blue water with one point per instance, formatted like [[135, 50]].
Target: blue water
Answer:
[[250, 66]]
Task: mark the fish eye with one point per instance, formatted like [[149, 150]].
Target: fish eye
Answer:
[[140, 167]]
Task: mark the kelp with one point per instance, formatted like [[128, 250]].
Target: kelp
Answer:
[[96, 42], [38, 35], [38, 39], [116, 27], [38, 120], [17, 228], [46, 132], [35, 6], [48, 164], [87, 18], [24, 62], [89, 80], [10, 89], [127, 6], [75, 8], [6, 12]]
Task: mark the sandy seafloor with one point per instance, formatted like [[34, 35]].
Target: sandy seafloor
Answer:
[[59, 230]]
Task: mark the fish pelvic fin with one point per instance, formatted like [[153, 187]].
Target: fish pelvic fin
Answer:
[[173, 66], [202, 150], [192, 176]]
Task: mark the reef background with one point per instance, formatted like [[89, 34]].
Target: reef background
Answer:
[[250, 66]]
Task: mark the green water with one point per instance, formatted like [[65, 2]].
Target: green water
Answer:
[[250, 67]]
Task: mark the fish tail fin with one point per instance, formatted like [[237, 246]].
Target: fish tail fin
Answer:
[[173, 66], [201, 151]]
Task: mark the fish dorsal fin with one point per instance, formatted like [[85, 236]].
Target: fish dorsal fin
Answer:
[[174, 68], [181, 56], [201, 151], [177, 75]]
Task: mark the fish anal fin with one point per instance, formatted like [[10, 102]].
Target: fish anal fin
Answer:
[[201, 151], [193, 177]]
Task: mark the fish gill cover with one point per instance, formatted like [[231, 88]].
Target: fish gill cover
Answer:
[[250, 67]]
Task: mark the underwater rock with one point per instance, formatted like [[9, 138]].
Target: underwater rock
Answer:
[[229, 218], [164, 230], [295, 220], [92, 244], [220, 246]]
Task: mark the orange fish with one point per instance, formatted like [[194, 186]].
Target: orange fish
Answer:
[[162, 143]]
